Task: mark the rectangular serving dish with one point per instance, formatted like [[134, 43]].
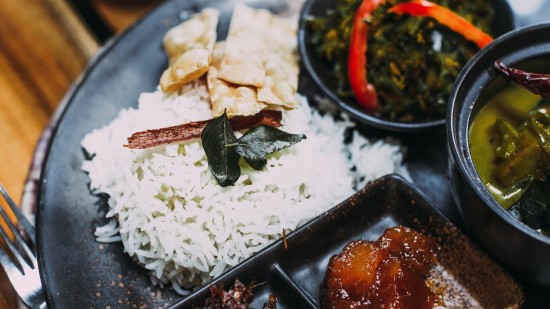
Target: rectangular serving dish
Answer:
[[295, 274]]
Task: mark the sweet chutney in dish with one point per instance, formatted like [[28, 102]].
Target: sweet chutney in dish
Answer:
[[390, 272]]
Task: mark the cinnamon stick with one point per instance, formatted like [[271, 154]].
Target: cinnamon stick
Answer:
[[187, 131]]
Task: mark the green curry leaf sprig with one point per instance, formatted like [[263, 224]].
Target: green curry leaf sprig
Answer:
[[223, 149]]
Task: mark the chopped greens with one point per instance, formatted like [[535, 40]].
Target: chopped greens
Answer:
[[223, 149], [411, 61]]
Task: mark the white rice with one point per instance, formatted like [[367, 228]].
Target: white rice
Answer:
[[176, 221]]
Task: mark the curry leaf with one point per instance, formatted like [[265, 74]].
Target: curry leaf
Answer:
[[223, 150], [533, 208], [262, 140], [218, 141]]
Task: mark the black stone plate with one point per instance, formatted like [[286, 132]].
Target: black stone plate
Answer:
[[78, 272], [295, 274]]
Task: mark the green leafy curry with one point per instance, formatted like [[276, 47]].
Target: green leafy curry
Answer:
[[411, 61]]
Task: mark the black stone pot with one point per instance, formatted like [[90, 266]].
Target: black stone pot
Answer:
[[524, 251]]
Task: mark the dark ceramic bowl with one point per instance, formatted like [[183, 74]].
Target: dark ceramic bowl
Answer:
[[523, 250], [318, 71]]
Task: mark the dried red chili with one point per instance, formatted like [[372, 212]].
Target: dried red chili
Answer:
[[535, 82]]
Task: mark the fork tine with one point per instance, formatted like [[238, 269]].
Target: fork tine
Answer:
[[15, 252], [6, 262], [18, 241], [17, 234], [25, 280], [23, 221], [20, 264]]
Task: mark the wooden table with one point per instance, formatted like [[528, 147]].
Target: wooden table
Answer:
[[44, 47]]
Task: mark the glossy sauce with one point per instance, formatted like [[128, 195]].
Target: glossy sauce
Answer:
[[388, 273], [512, 104]]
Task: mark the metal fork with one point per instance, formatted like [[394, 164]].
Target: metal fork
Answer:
[[19, 258]]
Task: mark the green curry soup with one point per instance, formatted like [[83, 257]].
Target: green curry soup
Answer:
[[509, 149]]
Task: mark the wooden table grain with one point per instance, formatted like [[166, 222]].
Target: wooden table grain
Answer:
[[44, 47]]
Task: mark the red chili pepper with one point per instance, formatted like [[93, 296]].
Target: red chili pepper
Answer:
[[364, 92], [445, 17], [535, 82]]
